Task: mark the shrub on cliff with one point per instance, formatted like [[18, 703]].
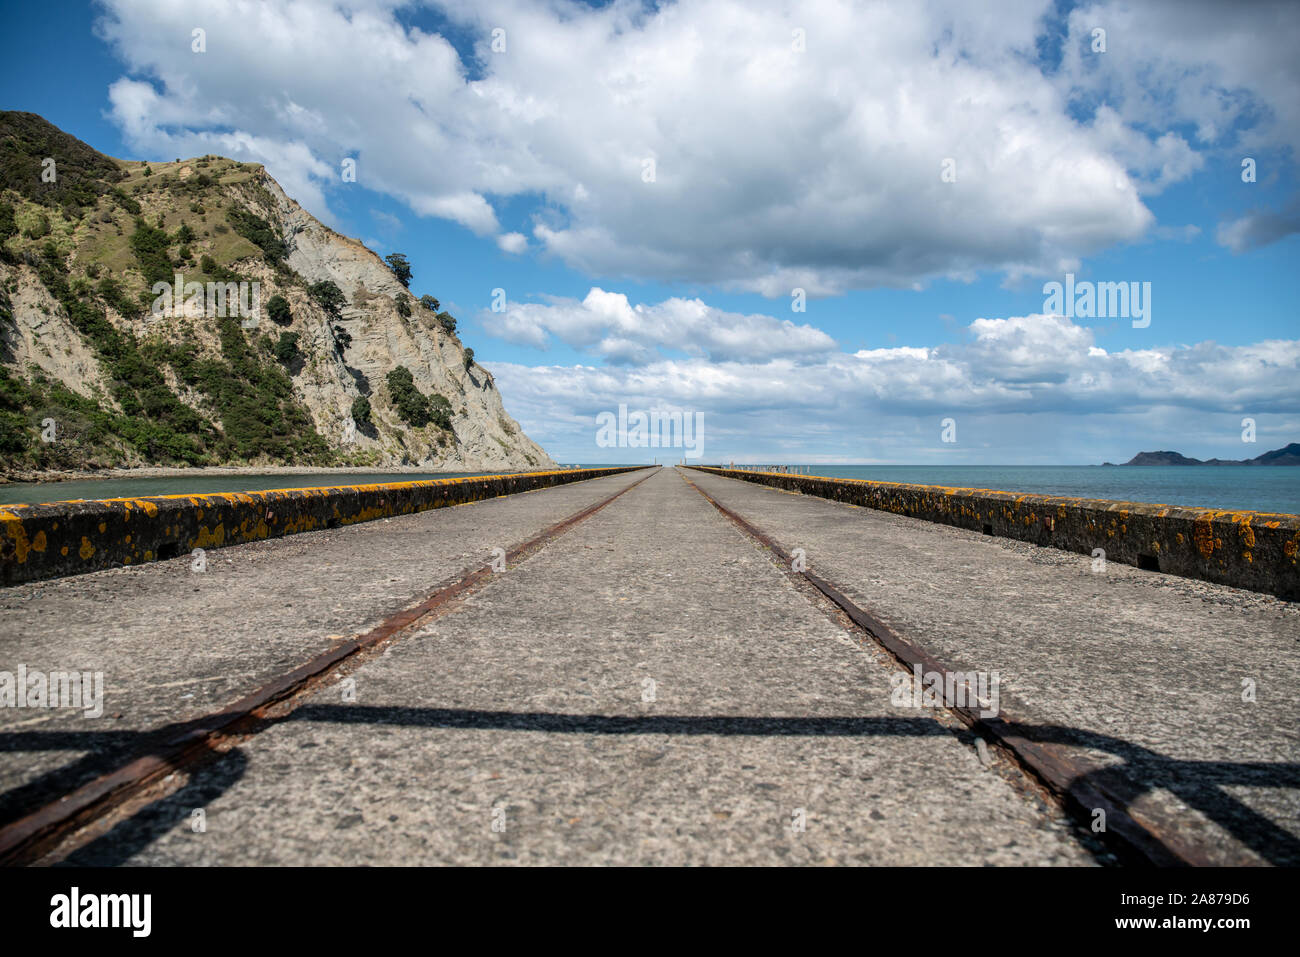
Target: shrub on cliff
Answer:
[[126, 202], [329, 296], [413, 407], [110, 290], [212, 269], [440, 411], [286, 350], [39, 229], [278, 309], [14, 439], [259, 232], [8, 227], [150, 247], [361, 410]]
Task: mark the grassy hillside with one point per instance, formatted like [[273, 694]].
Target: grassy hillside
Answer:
[[97, 238]]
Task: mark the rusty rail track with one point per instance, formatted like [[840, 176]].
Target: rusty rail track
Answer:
[[1133, 837], [29, 838]]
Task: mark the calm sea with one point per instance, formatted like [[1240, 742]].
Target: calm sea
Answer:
[[1260, 488]]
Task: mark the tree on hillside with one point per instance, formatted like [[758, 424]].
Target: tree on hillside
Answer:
[[286, 350], [400, 267], [260, 233], [278, 309], [412, 405], [329, 296], [9, 227], [150, 247], [430, 303], [361, 410], [440, 411], [469, 359]]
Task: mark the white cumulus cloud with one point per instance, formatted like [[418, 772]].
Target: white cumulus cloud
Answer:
[[781, 159], [1021, 377], [605, 324]]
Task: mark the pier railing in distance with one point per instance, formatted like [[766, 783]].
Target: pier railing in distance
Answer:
[[70, 538], [1244, 549]]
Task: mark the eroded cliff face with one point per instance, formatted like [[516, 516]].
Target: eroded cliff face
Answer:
[[83, 344], [381, 340]]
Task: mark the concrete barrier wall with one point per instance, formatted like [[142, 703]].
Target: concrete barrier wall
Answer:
[[69, 538], [1254, 550]]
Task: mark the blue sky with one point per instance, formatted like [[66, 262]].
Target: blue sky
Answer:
[[776, 169]]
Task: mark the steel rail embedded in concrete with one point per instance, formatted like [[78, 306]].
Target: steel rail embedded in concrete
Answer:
[[1157, 843], [201, 738], [1179, 696], [647, 689], [75, 537]]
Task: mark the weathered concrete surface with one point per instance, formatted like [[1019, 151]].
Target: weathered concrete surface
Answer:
[[530, 699], [1255, 550], [174, 644], [1142, 673], [71, 538]]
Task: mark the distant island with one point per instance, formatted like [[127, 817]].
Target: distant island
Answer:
[[1287, 455]]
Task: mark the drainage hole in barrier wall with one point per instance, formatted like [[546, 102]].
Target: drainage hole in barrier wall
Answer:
[[1148, 563]]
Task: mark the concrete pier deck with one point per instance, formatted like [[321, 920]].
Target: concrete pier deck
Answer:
[[1186, 693], [650, 687]]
